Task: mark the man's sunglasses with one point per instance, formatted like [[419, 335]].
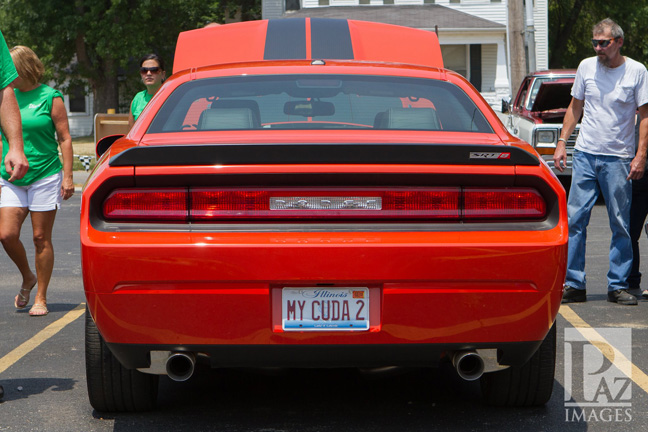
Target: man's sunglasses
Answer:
[[603, 43], [153, 70]]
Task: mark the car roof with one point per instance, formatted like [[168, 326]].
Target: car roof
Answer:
[[554, 72], [307, 39]]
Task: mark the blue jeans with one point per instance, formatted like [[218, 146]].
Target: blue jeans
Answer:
[[592, 175]]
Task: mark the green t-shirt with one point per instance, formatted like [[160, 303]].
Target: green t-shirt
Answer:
[[39, 135], [7, 69], [139, 102]]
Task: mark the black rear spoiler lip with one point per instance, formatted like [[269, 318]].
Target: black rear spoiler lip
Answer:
[[324, 154]]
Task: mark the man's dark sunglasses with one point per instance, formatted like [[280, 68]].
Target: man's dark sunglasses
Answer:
[[144, 70], [603, 43]]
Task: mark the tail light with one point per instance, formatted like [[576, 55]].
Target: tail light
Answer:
[[156, 205], [331, 204]]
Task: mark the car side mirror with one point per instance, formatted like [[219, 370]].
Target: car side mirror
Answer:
[[105, 143], [506, 105]]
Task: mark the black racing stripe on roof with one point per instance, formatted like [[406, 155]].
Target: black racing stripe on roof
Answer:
[[285, 39], [330, 39], [243, 154]]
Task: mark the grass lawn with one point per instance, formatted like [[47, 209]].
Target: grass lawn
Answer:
[[83, 146]]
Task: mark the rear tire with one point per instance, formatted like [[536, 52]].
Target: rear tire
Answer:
[[111, 387], [528, 385]]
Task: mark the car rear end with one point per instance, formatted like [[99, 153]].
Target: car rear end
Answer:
[[295, 214], [443, 258]]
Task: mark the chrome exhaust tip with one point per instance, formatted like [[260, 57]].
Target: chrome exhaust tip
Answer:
[[468, 364], [180, 366]]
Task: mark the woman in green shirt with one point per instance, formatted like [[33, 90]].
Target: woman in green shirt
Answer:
[[152, 73], [39, 192]]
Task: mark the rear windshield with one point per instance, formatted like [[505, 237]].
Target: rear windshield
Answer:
[[302, 102]]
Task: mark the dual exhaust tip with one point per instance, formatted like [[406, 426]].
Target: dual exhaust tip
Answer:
[[180, 366], [468, 364]]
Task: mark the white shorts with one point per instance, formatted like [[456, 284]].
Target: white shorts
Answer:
[[42, 195]]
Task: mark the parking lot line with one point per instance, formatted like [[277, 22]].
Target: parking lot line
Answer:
[[607, 349], [25, 348]]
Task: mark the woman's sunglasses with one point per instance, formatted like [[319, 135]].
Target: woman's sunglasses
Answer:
[[603, 43], [153, 70]]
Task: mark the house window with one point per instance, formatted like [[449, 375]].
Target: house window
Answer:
[[428, 1], [455, 57], [77, 99], [365, 2], [292, 5], [323, 2], [475, 66], [388, 2], [455, 1]]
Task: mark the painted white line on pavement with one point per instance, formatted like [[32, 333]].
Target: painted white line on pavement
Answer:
[[607, 349], [21, 351]]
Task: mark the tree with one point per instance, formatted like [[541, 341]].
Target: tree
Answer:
[[571, 22], [101, 41]]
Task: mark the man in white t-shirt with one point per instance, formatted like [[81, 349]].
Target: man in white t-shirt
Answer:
[[607, 91]]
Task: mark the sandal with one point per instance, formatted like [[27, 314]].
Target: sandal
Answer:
[[21, 300], [39, 309]]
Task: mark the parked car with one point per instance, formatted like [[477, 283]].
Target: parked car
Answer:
[[319, 193], [537, 112]]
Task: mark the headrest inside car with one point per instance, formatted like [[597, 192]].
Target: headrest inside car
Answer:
[[227, 118], [408, 118], [240, 103]]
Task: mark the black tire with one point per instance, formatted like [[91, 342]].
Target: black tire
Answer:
[[111, 387], [528, 385]]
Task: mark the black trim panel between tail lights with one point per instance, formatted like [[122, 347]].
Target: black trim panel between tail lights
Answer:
[[272, 154]]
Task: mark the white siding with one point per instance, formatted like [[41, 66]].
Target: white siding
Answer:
[[496, 12], [489, 66], [541, 24], [272, 9]]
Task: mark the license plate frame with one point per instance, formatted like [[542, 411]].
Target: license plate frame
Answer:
[[325, 309]]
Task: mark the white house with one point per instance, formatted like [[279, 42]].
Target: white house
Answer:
[[80, 112], [473, 33]]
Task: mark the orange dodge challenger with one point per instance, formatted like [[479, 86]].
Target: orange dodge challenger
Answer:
[[319, 193]]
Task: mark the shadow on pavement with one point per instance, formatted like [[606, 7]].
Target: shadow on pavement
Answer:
[[336, 400]]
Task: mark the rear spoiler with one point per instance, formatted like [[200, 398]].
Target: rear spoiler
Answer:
[[319, 154]]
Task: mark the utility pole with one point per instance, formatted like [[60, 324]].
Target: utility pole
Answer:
[[516, 42]]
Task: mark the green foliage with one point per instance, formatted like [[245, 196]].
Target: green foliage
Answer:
[[101, 41], [571, 22]]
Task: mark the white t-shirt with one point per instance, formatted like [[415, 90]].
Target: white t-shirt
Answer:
[[611, 97]]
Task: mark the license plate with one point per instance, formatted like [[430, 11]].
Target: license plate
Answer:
[[330, 309]]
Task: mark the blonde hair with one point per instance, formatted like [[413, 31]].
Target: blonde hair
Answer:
[[28, 65]]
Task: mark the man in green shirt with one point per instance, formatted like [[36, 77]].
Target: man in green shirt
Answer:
[[15, 161]]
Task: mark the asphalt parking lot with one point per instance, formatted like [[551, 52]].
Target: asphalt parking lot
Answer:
[[42, 371]]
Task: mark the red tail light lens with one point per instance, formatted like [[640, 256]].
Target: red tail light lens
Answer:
[[331, 204], [155, 205], [514, 203]]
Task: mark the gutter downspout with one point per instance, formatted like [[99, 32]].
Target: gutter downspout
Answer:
[[508, 52], [530, 35]]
